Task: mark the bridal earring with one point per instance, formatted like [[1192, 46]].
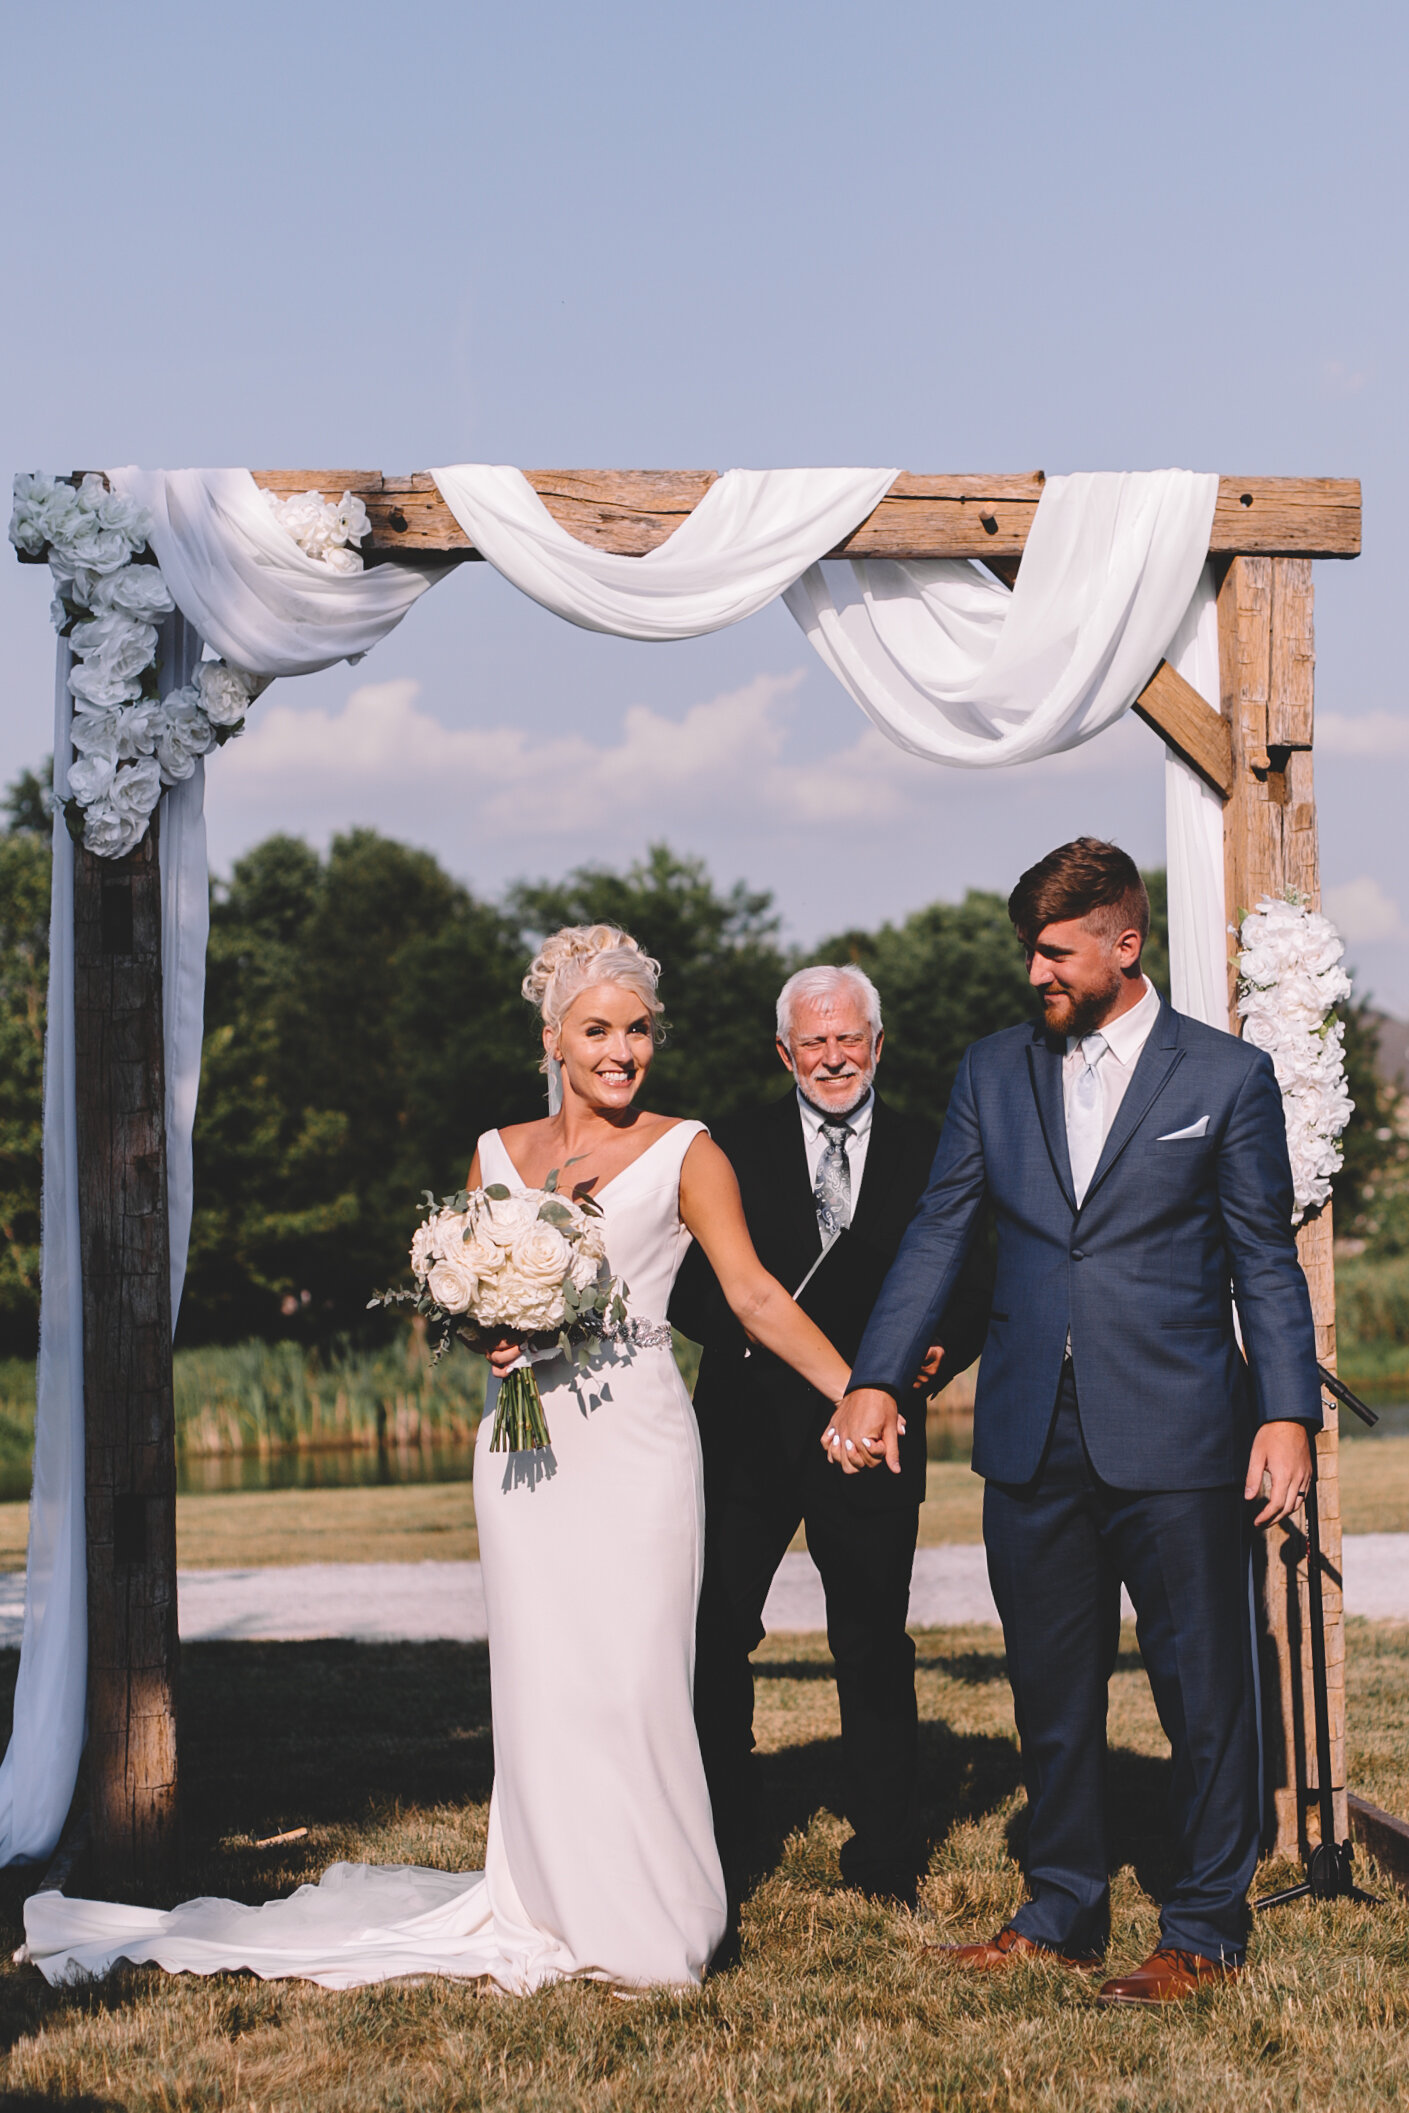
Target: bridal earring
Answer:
[[555, 1082]]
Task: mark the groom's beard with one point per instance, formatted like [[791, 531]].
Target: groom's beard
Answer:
[[1081, 1016]]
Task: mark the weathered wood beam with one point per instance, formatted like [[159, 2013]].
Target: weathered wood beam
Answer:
[[1180, 716], [1267, 657], [127, 1388], [922, 516]]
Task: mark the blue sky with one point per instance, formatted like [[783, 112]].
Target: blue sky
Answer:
[[952, 238]]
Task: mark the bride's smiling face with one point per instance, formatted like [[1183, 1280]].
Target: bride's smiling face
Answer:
[[604, 1044]]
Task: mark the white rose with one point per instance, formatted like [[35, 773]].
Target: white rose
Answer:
[[99, 686], [110, 834], [452, 1285], [583, 1268], [45, 509], [351, 518], [447, 1231], [484, 1257], [136, 790], [338, 560], [93, 547], [184, 734], [90, 779], [138, 590], [120, 643], [422, 1250], [504, 1218], [540, 1256], [225, 692], [123, 731]]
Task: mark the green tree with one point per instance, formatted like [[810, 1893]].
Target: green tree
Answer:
[[363, 1024], [721, 962], [24, 975], [1371, 1191], [947, 975]]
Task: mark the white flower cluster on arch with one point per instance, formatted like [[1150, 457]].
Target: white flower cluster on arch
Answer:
[[1289, 978], [131, 742]]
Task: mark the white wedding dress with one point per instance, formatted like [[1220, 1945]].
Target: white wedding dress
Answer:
[[601, 1859]]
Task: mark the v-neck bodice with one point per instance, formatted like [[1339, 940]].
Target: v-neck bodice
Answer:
[[646, 1237]]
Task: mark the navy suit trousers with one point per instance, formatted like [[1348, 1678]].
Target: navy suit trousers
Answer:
[[1058, 1549]]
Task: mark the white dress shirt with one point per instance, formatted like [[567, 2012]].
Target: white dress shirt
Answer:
[[815, 1143], [1125, 1037]]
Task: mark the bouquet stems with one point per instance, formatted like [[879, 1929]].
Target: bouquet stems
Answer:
[[519, 1425]]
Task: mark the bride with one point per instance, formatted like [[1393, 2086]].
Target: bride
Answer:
[[601, 1859]]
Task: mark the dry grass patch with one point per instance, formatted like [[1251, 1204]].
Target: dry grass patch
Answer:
[[835, 2004]]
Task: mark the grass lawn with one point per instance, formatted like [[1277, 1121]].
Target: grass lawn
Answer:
[[835, 2004]]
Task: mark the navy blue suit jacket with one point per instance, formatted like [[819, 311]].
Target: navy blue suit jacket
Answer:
[[1143, 1274]]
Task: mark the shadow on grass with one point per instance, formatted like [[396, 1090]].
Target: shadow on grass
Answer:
[[340, 1738]]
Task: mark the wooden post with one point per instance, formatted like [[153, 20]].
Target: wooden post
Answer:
[[1267, 655], [127, 1391]]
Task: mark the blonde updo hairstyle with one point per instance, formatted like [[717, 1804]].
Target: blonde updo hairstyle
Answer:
[[581, 955]]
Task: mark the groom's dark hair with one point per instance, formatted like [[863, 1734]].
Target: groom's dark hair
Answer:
[[1089, 879]]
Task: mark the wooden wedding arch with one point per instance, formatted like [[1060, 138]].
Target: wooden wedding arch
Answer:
[[1255, 750]]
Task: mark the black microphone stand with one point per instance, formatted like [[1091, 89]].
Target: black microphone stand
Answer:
[[1328, 1868]]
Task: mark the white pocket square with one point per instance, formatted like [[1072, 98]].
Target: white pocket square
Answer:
[[1174, 1137]]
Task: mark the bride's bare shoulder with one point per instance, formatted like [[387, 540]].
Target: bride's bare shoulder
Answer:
[[520, 1133]]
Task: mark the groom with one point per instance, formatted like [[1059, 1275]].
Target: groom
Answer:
[[829, 1175], [1136, 1162]]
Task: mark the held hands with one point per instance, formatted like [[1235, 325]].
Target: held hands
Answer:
[[1279, 1468], [866, 1429]]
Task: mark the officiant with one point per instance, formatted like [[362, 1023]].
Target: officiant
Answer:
[[830, 1175]]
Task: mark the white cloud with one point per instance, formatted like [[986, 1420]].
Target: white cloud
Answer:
[[1363, 911], [382, 757], [1379, 735]]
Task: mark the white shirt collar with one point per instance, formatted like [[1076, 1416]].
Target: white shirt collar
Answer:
[[814, 1117], [1127, 1035]]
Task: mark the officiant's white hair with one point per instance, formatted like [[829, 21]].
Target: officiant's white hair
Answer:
[[580, 955], [823, 986]]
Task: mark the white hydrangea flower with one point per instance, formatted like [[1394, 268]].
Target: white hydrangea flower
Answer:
[[323, 531], [1290, 978]]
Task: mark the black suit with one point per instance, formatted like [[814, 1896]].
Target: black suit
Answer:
[[765, 1473]]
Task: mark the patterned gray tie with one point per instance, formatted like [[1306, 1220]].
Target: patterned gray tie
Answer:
[[832, 1190]]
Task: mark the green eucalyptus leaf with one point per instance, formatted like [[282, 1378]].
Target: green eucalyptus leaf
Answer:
[[497, 1193]]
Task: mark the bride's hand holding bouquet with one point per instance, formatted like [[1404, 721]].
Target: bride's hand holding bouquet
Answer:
[[513, 1275]]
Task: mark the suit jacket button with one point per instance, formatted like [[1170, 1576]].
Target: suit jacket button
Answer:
[[1078, 1254]]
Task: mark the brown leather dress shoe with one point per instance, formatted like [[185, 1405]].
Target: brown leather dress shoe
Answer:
[[1006, 1949], [1167, 1976]]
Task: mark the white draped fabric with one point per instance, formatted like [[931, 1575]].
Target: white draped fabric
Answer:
[[953, 667], [242, 582], [751, 535], [1193, 835], [947, 662], [41, 1762]]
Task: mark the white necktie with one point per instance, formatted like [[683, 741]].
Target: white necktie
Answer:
[[1086, 1126]]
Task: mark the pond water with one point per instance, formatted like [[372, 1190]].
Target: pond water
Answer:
[[331, 1467], [360, 1467]]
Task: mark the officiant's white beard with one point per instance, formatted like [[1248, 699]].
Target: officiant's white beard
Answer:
[[860, 1080]]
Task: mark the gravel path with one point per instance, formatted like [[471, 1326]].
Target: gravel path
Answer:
[[416, 1602]]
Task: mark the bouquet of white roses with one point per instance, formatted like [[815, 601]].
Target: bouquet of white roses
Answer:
[[489, 1260]]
